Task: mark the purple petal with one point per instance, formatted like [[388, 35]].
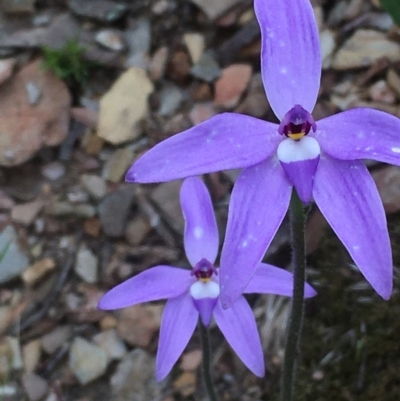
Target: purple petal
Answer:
[[177, 326], [347, 196], [240, 330], [259, 201], [159, 282], [361, 134], [205, 306], [269, 279], [223, 142], [290, 53], [201, 232]]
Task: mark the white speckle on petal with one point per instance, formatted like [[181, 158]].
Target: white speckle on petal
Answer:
[[396, 150], [356, 247], [282, 43], [283, 70], [198, 232], [244, 244]]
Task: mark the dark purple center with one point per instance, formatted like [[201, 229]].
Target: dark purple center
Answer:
[[204, 270], [296, 123]]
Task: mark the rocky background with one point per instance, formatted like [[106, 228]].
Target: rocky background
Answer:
[[86, 86]]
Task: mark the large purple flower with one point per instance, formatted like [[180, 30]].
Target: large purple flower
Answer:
[[322, 160], [195, 293]]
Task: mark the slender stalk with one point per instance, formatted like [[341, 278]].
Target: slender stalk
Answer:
[[297, 231], [206, 363]]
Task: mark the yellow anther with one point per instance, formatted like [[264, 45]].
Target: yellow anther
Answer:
[[205, 279], [296, 136]]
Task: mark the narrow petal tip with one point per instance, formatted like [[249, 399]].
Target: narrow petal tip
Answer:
[[309, 291]]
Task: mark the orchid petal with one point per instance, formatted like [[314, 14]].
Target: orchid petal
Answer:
[[177, 326], [223, 142], [269, 279], [361, 134], [240, 330], [347, 196], [201, 232], [290, 53], [259, 201], [159, 282]]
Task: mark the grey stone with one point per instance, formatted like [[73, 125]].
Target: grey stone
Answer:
[[13, 260], [138, 38], [101, 10], [86, 265], [170, 99], [135, 378], [206, 69]]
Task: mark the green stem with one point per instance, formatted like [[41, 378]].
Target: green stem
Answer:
[[297, 231], [206, 363]]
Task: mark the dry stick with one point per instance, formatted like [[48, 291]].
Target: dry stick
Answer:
[[297, 232]]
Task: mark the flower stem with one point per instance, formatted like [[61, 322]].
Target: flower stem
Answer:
[[297, 232], [206, 363]]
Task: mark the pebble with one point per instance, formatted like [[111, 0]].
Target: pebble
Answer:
[[53, 171], [171, 96], [95, 185], [138, 39], [18, 6], [363, 49], [202, 112], [15, 347], [120, 111], [115, 208], [86, 116], [137, 230], [230, 86], [111, 343], [13, 260], [159, 63], [387, 180], [185, 384], [110, 39], [393, 80], [101, 10], [191, 360], [381, 92], [6, 69], [86, 265], [117, 164], [26, 213], [35, 387], [87, 361], [207, 69], [195, 43], [26, 129], [67, 209], [31, 353], [56, 338], [328, 45], [137, 324], [134, 379], [214, 9], [37, 271]]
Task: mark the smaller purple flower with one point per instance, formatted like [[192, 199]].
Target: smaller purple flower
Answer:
[[193, 294]]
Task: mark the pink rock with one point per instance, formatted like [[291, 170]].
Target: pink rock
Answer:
[[27, 127], [387, 180], [6, 69], [202, 112], [230, 86], [85, 116]]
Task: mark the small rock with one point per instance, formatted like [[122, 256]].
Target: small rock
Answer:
[[159, 63], [170, 99], [31, 353], [195, 43], [138, 38], [95, 185], [202, 112], [110, 39], [138, 323], [26, 129], [134, 379], [185, 384], [56, 338], [381, 92], [255, 104], [363, 49], [87, 360], [27, 212], [117, 164], [328, 44], [35, 272], [86, 265], [66, 209], [6, 202], [179, 66], [108, 322], [111, 343], [214, 9], [92, 226], [190, 361], [6, 69], [53, 171], [85, 116], [207, 69], [230, 87], [13, 260], [120, 112], [35, 386], [166, 197], [115, 208], [101, 10], [393, 80], [137, 230], [387, 180]]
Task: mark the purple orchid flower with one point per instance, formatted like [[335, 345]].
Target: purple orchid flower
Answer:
[[322, 160], [195, 293]]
